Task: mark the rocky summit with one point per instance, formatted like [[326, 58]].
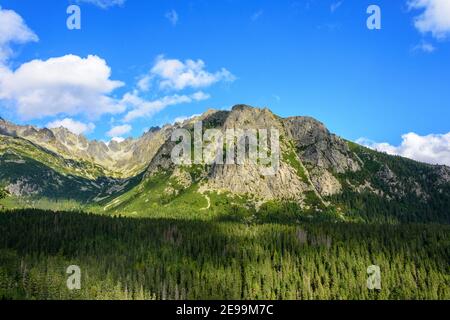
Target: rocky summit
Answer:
[[318, 171]]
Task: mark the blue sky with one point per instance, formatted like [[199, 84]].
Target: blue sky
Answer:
[[312, 57]]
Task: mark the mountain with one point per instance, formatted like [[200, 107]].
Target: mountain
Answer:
[[319, 174], [118, 159]]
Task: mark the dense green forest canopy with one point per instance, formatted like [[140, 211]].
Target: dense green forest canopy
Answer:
[[144, 258]]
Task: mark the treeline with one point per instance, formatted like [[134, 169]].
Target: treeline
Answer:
[[123, 258]]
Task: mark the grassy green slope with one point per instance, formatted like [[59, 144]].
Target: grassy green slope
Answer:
[[46, 180], [24, 148]]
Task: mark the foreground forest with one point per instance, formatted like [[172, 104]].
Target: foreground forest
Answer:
[[131, 258]]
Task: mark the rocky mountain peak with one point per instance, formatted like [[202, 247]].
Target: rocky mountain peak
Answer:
[[247, 117], [318, 147], [153, 130]]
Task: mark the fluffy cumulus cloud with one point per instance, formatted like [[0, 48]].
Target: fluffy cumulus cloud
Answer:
[[13, 30], [74, 126], [435, 17], [173, 74], [104, 4], [433, 148], [68, 85], [143, 108], [119, 131]]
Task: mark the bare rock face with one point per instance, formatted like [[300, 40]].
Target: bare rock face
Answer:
[[162, 160], [390, 179], [317, 146], [246, 117], [324, 182], [246, 180], [22, 188], [179, 180], [387, 175], [398, 187], [367, 187], [443, 173]]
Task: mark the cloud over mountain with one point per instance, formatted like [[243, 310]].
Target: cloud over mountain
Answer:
[[432, 148], [74, 126], [119, 131], [143, 108], [68, 85]]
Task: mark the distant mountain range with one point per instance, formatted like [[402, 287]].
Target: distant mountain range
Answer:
[[320, 173]]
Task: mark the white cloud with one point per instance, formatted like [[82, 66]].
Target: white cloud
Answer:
[[172, 16], [68, 85], [182, 119], [435, 17], [335, 5], [144, 108], [255, 16], [144, 83], [433, 148], [425, 47], [199, 96], [72, 125], [104, 4], [119, 131], [177, 75], [117, 139], [13, 30]]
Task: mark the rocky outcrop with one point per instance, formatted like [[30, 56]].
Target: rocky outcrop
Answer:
[[324, 182], [318, 147], [443, 174], [247, 180], [23, 188]]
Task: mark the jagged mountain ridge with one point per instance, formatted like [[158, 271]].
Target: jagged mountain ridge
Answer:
[[318, 169], [119, 159]]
